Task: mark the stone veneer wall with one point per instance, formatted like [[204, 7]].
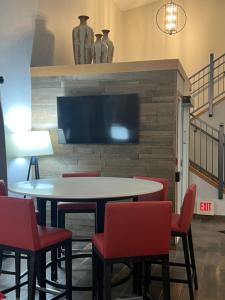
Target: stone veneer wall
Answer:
[[155, 155]]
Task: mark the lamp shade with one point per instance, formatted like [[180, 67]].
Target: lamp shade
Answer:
[[30, 143]]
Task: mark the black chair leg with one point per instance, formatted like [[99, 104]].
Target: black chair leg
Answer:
[[107, 280], [147, 275], [135, 278], [192, 255], [32, 273], [1, 258], [61, 224], [42, 274], [18, 271], [166, 279], [94, 274], [100, 286], [188, 266], [68, 262], [139, 279]]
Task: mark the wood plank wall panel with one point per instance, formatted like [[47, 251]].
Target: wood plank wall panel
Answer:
[[153, 156]]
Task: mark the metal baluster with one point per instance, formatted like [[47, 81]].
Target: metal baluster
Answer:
[[211, 87], [198, 89], [223, 74], [206, 149], [203, 89], [218, 81], [220, 160], [194, 141], [200, 145], [212, 153]]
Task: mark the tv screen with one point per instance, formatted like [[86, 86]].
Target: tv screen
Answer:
[[102, 119]]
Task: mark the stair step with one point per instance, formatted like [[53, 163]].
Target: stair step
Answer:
[[204, 175]]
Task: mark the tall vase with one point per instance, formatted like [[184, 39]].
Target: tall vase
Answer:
[[99, 50], [109, 44], [83, 39]]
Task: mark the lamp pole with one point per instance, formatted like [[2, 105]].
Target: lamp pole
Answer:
[[3, 163], [33, 162]]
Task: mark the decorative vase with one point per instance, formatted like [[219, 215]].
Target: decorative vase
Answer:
[[83, 39], [109, 44], [99, 50]]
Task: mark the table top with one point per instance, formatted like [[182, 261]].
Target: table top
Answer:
[[85, 187]]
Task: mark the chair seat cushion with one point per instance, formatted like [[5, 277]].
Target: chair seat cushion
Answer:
[[50, 236], [175, 227], [97, 241], [77, 206]]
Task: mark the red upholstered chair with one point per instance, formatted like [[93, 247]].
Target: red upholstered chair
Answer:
[[3, 192], [75, 207], [134, 232], [157, 196], [181, 227], [20, 233]]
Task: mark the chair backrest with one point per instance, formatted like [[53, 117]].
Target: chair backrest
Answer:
[[18, 223], [137, 228], [187, 209], [157, 196], [82, 174], [3, 191]]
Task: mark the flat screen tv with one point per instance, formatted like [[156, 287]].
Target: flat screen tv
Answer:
[[102, 119]]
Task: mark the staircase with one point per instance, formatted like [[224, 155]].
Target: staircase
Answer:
[[207, 148]]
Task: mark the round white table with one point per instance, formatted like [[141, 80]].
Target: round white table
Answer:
[[78, 189]]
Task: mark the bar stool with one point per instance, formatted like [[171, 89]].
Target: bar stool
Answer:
[[76, 207], [181, 227], [20, 233], [3, 192], [133, 232]]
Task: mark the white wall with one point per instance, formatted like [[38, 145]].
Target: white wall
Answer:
[[53, 34], [202, 34], [16, 35], [206, 192]]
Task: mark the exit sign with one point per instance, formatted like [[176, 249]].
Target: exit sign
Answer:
[[205, 207]]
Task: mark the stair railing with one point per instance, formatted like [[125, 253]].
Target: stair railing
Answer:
[[208, 85], [207, 147]]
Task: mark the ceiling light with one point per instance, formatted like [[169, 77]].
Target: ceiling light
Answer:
[[171, 18]]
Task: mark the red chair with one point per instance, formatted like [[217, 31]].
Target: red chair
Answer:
[[3, 192], [181, 227], [75, 207], [134, 232], [20, 233], [157, 196]]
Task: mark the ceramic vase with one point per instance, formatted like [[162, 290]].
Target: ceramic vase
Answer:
[[99, 50], [109, 44], [83, 39]]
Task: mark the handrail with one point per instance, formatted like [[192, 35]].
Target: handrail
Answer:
[[207, 150], [204, 122], [206, 82], [207, 143]]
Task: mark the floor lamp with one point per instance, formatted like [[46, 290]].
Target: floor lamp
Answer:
[[30, 144]]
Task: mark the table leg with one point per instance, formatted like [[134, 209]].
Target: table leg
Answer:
[[41, 205], [54, 274], [100, 213]]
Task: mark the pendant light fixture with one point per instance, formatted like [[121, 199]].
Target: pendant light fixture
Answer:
[[171, 18]]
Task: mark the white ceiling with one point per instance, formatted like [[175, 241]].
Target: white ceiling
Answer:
[[129, 4]]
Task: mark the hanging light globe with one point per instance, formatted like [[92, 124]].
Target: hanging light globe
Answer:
[[171, 18]]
